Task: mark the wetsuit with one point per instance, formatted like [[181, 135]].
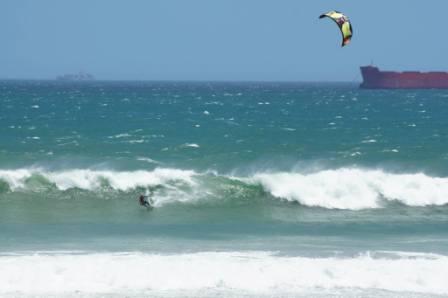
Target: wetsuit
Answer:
[[143, 201]]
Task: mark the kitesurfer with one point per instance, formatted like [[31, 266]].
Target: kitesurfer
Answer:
[[144, 202]]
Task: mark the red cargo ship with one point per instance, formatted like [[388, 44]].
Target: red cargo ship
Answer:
[[373, 78]]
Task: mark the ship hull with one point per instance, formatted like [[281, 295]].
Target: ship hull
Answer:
[[373, 78]]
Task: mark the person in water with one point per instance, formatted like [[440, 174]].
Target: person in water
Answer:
[[144, 202]]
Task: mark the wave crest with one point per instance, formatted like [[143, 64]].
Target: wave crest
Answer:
[[351, 189], [90, 179], [355, 189]]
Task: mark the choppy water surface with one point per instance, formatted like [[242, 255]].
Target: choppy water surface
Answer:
[[259, 190]]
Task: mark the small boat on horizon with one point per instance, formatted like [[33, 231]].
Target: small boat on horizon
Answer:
[[81, 76]]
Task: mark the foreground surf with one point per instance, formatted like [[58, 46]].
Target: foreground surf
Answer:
[[252, 272]]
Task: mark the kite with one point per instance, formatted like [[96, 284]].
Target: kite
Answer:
[[344, 25]]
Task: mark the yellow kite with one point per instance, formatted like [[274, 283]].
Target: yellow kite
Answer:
[[344, 25]]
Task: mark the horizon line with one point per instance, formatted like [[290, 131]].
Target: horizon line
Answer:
[[181, 81]]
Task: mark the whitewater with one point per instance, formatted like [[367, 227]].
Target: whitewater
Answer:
[[251, 273], [259, 190], [345, 188]]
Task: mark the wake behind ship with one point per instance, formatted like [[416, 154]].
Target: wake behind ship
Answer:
[[374, 78]]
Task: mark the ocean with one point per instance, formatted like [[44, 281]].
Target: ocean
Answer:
[[259, 190]]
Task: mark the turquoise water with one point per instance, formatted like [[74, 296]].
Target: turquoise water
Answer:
[[349, 184]]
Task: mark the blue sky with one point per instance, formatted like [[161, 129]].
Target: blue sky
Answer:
[[270, 40]]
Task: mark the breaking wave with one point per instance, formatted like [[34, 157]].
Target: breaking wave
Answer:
[[345, 188], [91, 180], [355, 189], [241, 272]]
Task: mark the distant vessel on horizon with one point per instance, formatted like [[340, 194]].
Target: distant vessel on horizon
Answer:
[[374, 78], [81, 76]]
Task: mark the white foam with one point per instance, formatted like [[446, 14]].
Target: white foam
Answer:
[[118, 136], [369, 141], [391, 150], [15, 178], [148, 160], [289, 129], [355, 188], [91, 179], [357, 153], [191, 145], [252, 272], [138, 141]]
